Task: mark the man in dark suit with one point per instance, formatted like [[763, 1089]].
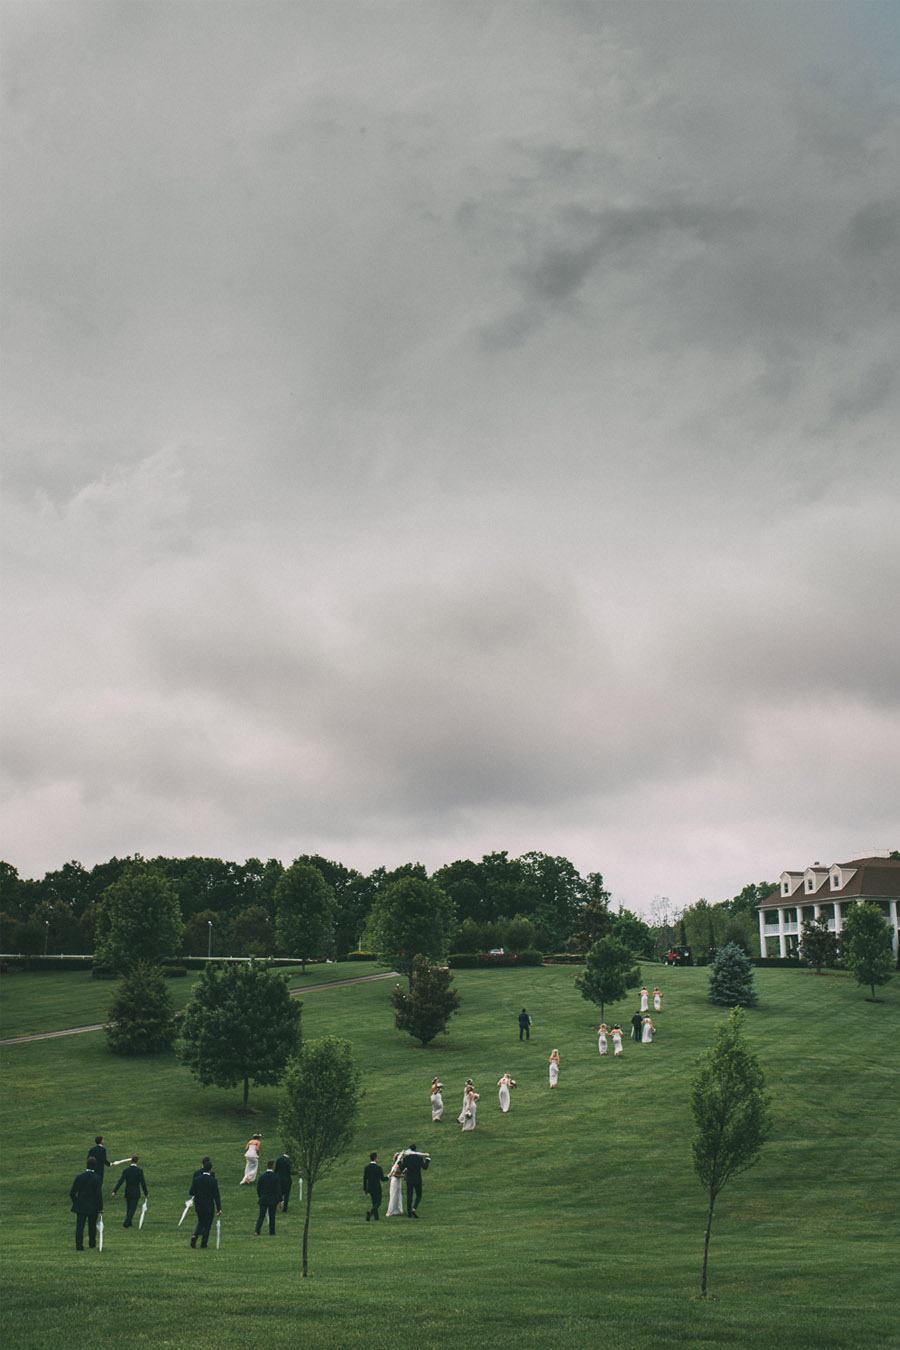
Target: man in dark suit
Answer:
[[414, 1164], [373, 1176], [637, 1027], [524, 1026], [98, 1151], [207, 1202], [86, 1195], [133, 1181], [285, 1175], [268, 1191]]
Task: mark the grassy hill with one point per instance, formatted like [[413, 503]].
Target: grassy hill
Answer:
[[575, 1220]]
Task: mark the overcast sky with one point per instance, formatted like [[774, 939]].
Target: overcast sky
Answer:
[[438, 427]]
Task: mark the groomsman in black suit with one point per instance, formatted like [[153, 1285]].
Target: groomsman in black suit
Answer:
[[637, 1027], [268, 1191], [207, 1202], [86, 1195], [285, 1175], [98, 1151], [414, 1164], [373, 1176], [133, 1181]]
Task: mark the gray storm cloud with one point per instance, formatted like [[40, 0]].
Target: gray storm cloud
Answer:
[[437, 429]]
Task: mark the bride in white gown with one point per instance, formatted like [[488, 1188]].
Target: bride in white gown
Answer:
[[395, 1193], [251, 1160], [470, 1109]]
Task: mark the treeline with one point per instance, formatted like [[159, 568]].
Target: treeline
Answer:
[[706, 927], [535, 900]]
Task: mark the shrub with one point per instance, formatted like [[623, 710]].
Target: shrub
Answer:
[[361, 956], [463, 960], [140, 1016], [531, 957]]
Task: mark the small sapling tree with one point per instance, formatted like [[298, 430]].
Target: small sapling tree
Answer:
[[731, 1112], [318, 1113], [609, 972]]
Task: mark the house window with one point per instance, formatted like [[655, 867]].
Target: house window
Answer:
[[836, 882], [785, 888], [809, 883]]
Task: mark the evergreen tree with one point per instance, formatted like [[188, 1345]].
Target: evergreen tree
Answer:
[[867, 946], [430, 1003], [818, 945], [609, 973], [304, 913], [731, 978], [142, 1014], [241, 1026], [731, 1112], [318, 1115], [138, 919]]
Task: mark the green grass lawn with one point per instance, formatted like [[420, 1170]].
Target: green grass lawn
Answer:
[[48, 1000], [575, 1220]]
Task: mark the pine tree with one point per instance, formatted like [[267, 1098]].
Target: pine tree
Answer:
[[142, 1014], [731, 978], [425, 1011]]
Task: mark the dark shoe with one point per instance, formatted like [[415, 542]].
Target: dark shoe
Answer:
[[368, 1215], [79, 1249], [193, 1241]]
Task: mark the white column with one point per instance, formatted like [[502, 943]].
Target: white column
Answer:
[[782, 940], [894, 925], [762, 932], [817, 910]]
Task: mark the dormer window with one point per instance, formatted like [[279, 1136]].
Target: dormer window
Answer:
[[835, 881], [810, 884], [785, 888]]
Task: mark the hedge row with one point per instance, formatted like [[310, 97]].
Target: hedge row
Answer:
[[786, 962], [565, 959], [361, 956], [47, 962], [470, 960]]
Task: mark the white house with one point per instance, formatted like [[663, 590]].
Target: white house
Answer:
[[830, 891]]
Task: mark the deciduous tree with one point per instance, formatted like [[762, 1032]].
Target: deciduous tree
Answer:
[[731, 1112], [318, 1114], [867, 946], [138, 919], [411, 916], [304, 913], [818, 945], [241, 1026]]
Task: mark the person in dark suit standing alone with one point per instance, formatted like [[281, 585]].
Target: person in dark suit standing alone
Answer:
[[285, 1175], [86, 1195], [414, 1164], [268, 1190], [98, 1151], [373, 1176], [524, 1026], [133, 1181], [207, 1202]]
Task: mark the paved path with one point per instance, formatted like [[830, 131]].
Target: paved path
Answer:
[[98, 1026]]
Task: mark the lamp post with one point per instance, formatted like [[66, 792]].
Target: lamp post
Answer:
[[46, 934], [209, 943]]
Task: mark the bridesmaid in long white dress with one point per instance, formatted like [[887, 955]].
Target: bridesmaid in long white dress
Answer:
[[504, 1084], [617, 1040], [470, 1109], [645, 999], [602, 1042], [657, 1000], [395, 1192], [251, 1156], [554, 1068], [647, 1030], [462, 1115], [437, 1101]]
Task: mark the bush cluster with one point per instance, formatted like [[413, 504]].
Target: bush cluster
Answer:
[[361, 956], [565, 959], [470, 960]]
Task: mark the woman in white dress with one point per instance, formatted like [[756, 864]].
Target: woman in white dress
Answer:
[[470, 1109], [554, 1068], [395, 1193], [251, 1160], [437, 1101], [617, 1039], [645, 999], [602, 1041], [462, 1115], [657, 1000], [504, 1084], [647, 1030]]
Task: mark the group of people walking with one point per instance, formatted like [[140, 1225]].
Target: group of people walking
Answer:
[[408, 1165]]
